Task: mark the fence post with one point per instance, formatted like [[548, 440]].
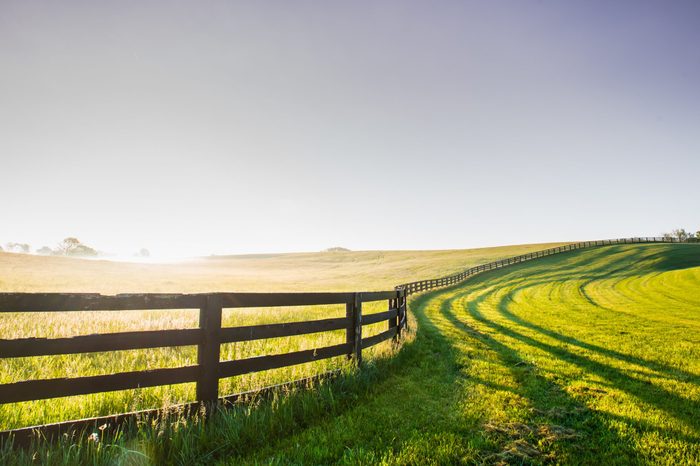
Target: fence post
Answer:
[[403, 312], [208, 351], [394, 321], [350, 329], [357, 325]]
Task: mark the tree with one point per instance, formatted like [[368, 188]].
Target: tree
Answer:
[[68, 245], [83, 251], [680, 234], [694, 238], [143, 252], [45, 251], [17, 247], [72, 246]]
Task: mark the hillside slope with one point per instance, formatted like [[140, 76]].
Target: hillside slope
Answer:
[[339, 270], [589, 357], [586, 357], [322, 271]]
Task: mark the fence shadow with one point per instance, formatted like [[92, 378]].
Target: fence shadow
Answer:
[[539, 392], [682, 409]]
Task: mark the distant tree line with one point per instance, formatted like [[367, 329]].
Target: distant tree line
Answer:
[[17, 247], [70, 246], [681, 235]]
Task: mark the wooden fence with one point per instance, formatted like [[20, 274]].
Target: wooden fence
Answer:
[[425, 285], [209, 337]]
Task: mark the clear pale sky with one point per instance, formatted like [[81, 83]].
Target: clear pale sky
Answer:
[[193, 128]]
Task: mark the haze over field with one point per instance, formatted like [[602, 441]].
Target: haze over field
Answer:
[[217, 127], [323, 271]]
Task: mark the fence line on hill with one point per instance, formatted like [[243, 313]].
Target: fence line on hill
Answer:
[[425, 285], [209, 337]]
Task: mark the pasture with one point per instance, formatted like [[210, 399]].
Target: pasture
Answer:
[[313, 271], [587, 357], [336, 271]]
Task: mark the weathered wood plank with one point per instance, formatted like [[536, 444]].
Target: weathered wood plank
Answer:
[[263, 363], [357, 333], [286, 329], [283, 299], [368, 319], [59, 302], [26, 347], [350, 328], [393, 305], [378, 338], [369, 296], [209, 350], [54, 388]]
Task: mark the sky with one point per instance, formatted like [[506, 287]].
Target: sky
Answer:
[[216, 127]]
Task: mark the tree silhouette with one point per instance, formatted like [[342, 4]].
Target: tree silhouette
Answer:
[[72, 246]]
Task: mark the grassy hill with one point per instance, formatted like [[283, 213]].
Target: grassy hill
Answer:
[[321, 271], [336, 270], [587, 357]]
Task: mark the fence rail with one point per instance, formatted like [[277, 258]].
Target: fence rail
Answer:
[[210, 334]]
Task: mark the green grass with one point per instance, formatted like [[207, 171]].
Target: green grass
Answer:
[[274, 272], [588, 357]]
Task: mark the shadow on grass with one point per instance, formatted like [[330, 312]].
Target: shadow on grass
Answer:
[[682, 409], [654, 258], [677, 256], [547, 398], [615, 261], [668, 371], [518, 284], [618, 262], [406, 417]]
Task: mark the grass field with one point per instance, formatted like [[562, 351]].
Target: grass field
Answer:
[[337, 271], [320, 271], [587, 357]]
